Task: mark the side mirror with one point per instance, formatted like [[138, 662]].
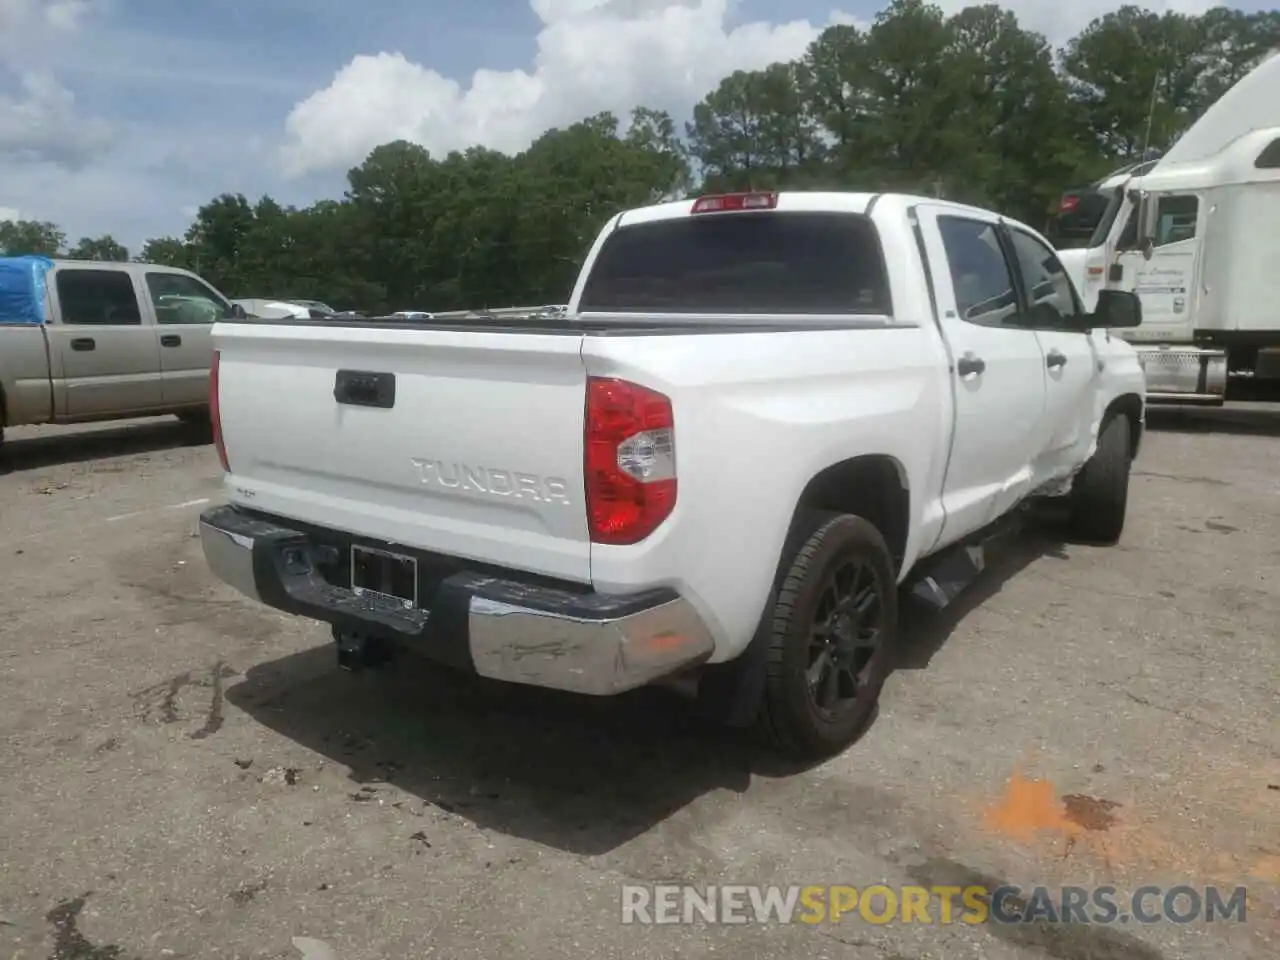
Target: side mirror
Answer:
[[1148, 220], [238, 312], [1117, 309]]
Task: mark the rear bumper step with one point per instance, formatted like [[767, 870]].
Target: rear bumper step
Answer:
[[506, 627]]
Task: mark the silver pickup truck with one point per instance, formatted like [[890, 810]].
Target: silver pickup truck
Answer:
[[84, 340]]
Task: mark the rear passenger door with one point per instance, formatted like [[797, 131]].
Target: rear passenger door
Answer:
[[997, 372], [185, 311], [107, 355]]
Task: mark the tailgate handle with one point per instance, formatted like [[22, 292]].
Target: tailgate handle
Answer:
[[364, 389]]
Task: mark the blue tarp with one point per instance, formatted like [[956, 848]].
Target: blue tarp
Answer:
[[22, 288]]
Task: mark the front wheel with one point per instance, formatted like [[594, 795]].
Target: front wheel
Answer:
[[1100, 491], [830, 639]]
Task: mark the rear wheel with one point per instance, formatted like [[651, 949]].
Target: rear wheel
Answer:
[[1100, 493], [830, 639]]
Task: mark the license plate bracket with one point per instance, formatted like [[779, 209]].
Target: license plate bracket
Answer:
[[384, 577]]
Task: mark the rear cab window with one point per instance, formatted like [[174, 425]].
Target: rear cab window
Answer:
[[742, 263], [89, 297]]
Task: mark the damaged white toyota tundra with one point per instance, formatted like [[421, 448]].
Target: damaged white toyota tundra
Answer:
[[759, 416]]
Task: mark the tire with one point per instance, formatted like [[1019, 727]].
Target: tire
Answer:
[[795, 717], [1100, 493]]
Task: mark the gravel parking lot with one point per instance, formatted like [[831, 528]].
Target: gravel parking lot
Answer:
[[189, 775]]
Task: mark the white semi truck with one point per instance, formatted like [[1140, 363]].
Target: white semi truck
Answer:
[[1197, 238]]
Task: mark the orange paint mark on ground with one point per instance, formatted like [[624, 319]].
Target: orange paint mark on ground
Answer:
[[1029, 807], [1078, 829], [1266, 868]]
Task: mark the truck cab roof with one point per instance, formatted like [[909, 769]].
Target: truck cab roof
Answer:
[[799, 201]]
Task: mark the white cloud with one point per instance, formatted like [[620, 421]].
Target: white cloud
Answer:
[[8, 214], [19, 16], [42, 124], [40, 121], [592, 55]]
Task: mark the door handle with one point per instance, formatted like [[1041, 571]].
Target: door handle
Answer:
[[170, 340], [1055, 360], [969, 365], [83, 343]]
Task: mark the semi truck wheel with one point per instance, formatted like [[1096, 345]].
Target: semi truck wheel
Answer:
[[830, 636], [1099, 495]]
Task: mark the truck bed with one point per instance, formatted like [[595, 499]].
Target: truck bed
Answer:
[[594, 325], [476, 449]]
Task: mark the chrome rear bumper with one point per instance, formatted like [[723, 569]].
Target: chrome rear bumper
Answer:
[[511, 629]]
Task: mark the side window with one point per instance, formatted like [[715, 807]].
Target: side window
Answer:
[[1052, 297], [1176, 219], [1269, 158], [97, 297], [182, 299], [979, 272]]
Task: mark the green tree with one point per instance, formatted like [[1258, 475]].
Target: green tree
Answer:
[[217, 240], [916, 90], [726, 134], [99, 248], [835, 80], [1234, 42], [654, 134], [1019, 135], [1136, 75], [168, 251], [22, 237]]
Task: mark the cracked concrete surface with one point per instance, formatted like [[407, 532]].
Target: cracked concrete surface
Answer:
[[190, 776]]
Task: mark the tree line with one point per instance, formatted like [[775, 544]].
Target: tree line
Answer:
[[970, 107]]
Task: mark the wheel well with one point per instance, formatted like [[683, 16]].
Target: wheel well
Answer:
[[873, 487], [1131, 406]]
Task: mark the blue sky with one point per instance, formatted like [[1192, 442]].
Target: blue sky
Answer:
[[122, 116]]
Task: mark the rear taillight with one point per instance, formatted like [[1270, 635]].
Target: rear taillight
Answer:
[[630, 460], [727, 202], [215, 417]]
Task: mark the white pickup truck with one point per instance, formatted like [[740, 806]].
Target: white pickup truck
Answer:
[[758, 416]]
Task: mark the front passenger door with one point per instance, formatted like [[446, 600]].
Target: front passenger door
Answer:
[[997, 374], [186, 311], [1054, 311]]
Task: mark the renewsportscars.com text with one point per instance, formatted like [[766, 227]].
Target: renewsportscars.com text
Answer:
[[879, 904]]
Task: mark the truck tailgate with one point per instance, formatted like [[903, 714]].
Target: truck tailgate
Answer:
[[462, 442]]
